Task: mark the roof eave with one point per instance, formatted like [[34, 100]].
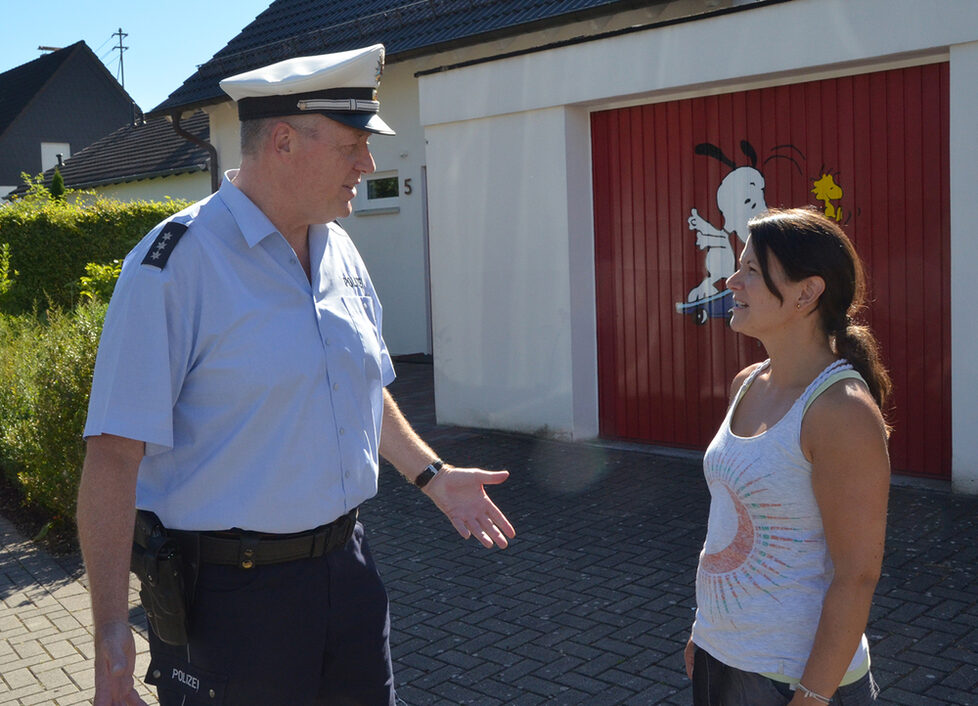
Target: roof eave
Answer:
[[163, 110]]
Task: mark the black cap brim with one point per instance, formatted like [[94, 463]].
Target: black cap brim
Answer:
[[371, 122]]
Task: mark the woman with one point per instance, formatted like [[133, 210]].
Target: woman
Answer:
[[798, 475]]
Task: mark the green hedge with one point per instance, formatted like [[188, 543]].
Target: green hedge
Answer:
[[45, 378], [58, 264], [51, 240]]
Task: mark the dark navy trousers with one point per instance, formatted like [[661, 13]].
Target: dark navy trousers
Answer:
[[313, 631]]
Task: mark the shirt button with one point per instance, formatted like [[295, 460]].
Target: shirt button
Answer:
[[292, 260], [342, 431], [336, 386]]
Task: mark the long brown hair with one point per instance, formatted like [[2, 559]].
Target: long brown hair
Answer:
[[807, 244]]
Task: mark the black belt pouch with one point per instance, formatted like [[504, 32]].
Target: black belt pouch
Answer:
[[157, 561]]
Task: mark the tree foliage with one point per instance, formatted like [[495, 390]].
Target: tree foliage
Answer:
[[57, 187]]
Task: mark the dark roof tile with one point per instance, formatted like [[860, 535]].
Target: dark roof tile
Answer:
[[290, 28]]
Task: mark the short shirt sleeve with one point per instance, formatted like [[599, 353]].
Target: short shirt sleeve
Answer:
[[143, 355]]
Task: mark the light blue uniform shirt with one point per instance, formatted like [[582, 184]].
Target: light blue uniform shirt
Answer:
[[258, 393]]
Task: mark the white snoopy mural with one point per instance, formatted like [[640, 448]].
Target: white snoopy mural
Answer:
[[739, 198]]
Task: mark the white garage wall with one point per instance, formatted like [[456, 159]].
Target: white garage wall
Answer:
[[964, 265], [501, 288]]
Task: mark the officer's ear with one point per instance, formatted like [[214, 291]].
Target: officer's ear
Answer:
[[282, 138]]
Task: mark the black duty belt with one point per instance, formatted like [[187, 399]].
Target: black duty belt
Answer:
[[250, 549]]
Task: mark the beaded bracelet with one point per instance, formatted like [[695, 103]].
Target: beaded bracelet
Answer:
[[809, 694]]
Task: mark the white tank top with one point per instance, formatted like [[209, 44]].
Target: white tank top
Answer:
[[765, 568]]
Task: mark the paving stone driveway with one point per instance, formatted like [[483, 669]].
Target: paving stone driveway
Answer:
[[591, 604]]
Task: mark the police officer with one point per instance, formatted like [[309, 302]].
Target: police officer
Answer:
[[238, 401]]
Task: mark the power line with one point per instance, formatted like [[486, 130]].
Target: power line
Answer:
[[122, 71], [104, 43]]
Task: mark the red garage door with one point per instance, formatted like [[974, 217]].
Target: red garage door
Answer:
[[674, 184]]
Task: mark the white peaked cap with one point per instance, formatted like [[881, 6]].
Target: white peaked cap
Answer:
[[341, 86]]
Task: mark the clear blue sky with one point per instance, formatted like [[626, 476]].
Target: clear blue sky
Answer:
[[167, 40]]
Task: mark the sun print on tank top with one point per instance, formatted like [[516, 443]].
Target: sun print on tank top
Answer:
[[744, 559], [757, 530]]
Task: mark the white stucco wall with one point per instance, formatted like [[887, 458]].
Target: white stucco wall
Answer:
[[191, 187], [478, 120], [393, 244]]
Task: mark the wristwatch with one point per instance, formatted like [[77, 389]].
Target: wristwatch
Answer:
[[429, 472]]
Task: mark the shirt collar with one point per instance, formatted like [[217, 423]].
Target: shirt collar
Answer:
[[254, 224]]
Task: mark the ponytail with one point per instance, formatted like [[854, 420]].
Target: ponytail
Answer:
[[858, 345]]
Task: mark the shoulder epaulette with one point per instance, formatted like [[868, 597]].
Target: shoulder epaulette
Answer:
[[163, 246]]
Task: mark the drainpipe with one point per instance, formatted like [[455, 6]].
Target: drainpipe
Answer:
[[211, 150]]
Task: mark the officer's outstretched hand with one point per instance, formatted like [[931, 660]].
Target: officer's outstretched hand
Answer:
[[461, 495], [115, 661]]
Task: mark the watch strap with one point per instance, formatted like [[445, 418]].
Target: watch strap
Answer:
[[429, 472]]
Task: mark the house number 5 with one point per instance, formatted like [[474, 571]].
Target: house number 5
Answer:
[[407, 187]]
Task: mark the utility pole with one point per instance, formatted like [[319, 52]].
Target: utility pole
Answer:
[[122, 72]]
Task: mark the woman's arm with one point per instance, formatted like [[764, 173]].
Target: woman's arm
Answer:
[[844, 437]]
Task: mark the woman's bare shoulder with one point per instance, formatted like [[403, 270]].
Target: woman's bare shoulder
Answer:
[[845, 416]]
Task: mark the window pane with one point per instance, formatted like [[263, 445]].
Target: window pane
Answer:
[[385, 188]]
